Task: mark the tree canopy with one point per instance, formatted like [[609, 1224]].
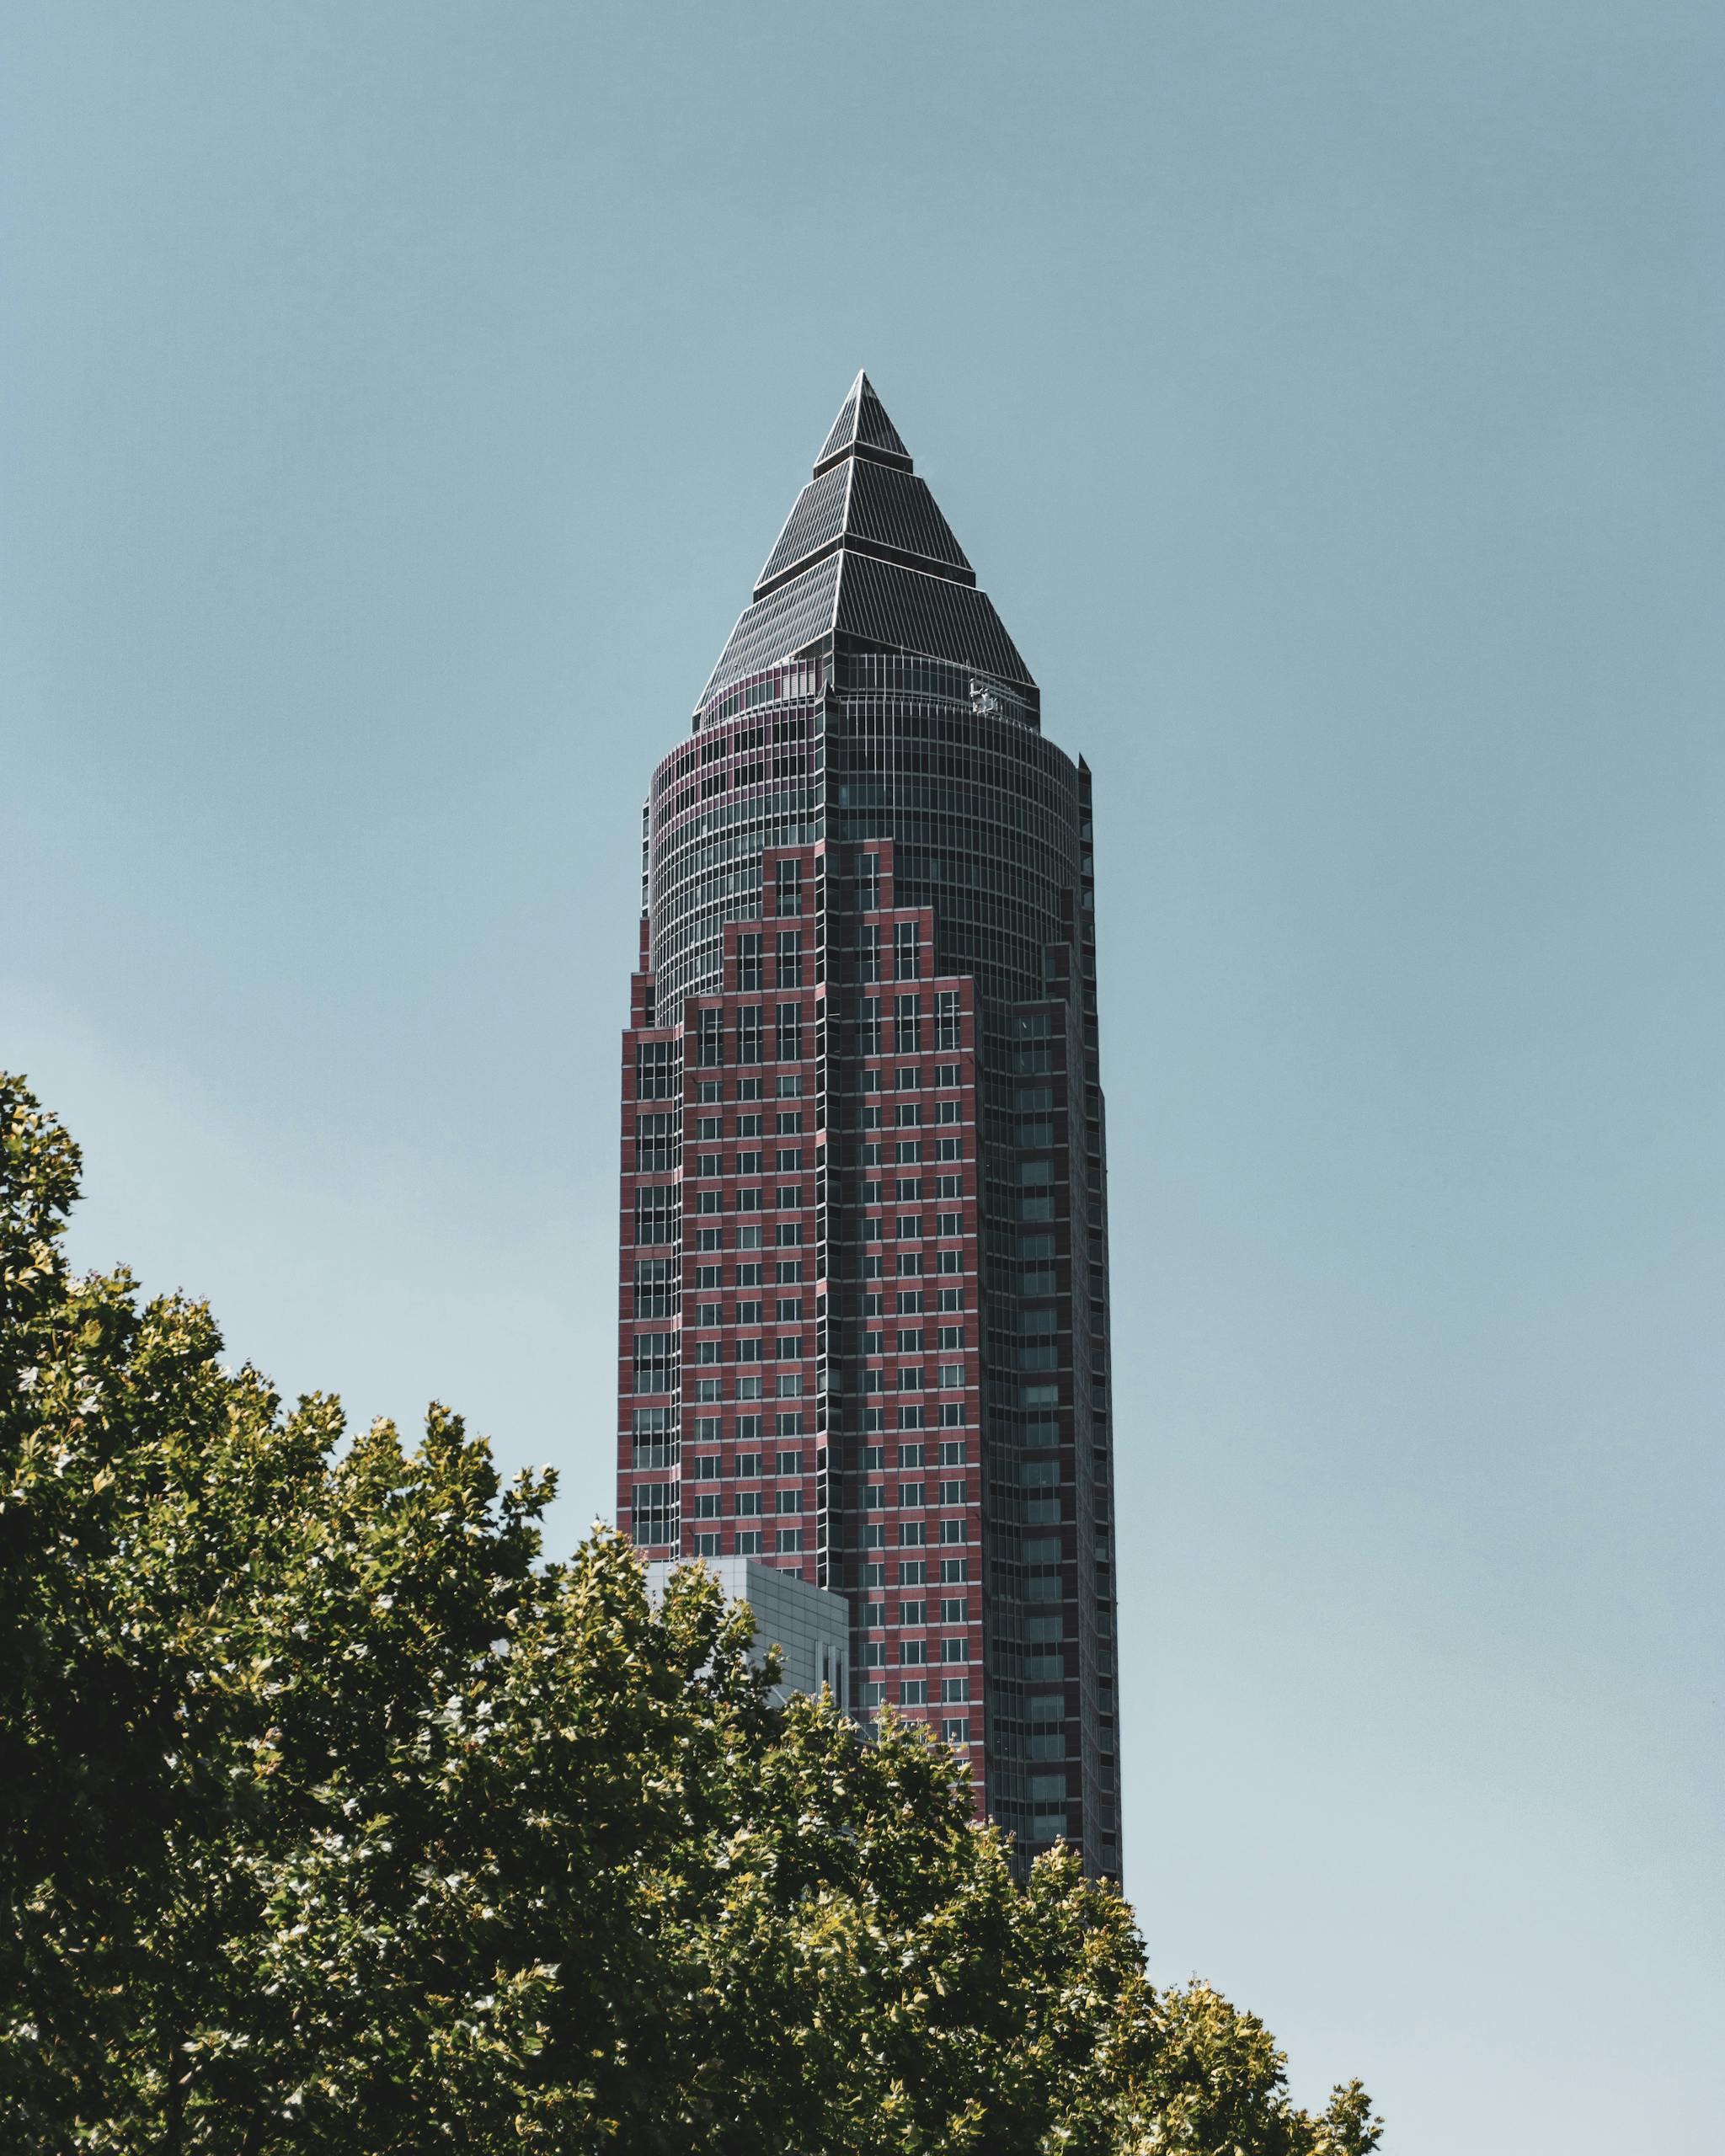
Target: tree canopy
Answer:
[[333, 1817]]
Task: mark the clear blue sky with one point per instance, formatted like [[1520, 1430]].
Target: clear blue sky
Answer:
[[398, 401]]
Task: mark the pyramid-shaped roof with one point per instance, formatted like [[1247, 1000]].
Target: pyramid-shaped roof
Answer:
[[863, 427], [865, 552]]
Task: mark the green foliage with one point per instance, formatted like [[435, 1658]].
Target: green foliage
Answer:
[[332, 1817]]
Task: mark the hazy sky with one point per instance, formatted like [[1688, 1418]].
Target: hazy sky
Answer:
[[398, 403]]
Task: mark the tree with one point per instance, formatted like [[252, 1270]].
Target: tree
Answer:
[[332, 1816]]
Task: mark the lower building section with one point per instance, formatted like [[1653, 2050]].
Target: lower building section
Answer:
[[861, 1310]]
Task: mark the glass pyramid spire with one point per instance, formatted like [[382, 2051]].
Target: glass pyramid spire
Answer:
[[866, 553]]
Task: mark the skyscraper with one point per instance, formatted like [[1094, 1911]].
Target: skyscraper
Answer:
[[864, 1241]]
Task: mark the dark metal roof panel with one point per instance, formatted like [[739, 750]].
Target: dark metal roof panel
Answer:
[[775, 627], [815, 521], [895, 508], [901, 607]]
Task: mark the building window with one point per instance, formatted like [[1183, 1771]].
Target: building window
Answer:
[[913, 1692], [653, 1517], [787, 887], [749, 1033], [946, 1025], [657, 1213], [710, 1050], [790, 958], [748, 963], [905, 955], [656, 1070], [653, 1436], [789, 1541], [656, 1363], [655, 1287], [789, 1042], [906, 1024]]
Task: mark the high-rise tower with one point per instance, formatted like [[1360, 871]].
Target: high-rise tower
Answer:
[[864, 1241]]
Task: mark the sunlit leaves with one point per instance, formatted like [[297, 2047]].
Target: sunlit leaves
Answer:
[[332, 1817]]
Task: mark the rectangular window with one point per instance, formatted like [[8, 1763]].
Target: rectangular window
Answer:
[[868, 883], [790, 958], [655, 1362], [711, 1051], [749, 1033], [655, 1142], [867, 952], [867, 1027], [656, 1070], [913, 1652], [905, 1023], [787, 887], [905, 955], [910, 1533], [788, 1540], [655, 1287], [946, 1023], [954, 1690], [748, 1542], [653, 1436], [657, 1216], [748, 963], [913, 1692], [789, 1043], [653, 1518]]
